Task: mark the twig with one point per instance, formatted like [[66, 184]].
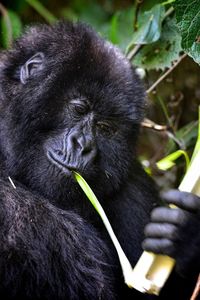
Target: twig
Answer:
[[152, 125], [168, 12], [177, 141], [134, 51], [7, 22], [196, 290], [166, 73], [147, 123]]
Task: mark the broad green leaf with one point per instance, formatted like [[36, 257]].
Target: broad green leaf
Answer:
[[161, 54], [11, 28], [188, 20], [121, 27], [149, 26], [169, 161]]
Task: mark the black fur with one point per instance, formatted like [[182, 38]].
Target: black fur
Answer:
[[63, 87]]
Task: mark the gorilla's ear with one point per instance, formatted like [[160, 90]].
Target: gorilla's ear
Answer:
[[34, 64]]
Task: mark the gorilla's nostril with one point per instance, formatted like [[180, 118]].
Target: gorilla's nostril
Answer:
[[86, 150]]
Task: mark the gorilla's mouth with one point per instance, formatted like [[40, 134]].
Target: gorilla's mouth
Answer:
[[60, 163]]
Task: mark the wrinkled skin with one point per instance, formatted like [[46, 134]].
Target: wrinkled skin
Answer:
[[71, 101]]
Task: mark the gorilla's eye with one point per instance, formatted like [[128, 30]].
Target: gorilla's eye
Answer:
[[105, 128], [78, 107]]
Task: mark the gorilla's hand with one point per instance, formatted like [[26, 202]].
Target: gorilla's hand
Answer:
[[176, 232]]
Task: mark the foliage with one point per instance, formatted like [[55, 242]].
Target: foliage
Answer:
[[161, 54], [188, 20], [149, 26], [11, 27]]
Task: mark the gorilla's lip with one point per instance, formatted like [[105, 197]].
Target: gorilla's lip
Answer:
[[61, 165]]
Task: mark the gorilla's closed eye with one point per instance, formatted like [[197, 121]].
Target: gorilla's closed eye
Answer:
[[31, 66], [79, 106], [107, 128]]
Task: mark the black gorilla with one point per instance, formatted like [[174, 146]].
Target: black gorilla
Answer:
[[71, 101]]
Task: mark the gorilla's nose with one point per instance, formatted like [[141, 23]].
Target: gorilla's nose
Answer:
[[77, 151], [83, 144], [81, 147]]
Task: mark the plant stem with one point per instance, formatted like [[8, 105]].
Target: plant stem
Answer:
[[166, 74], [134, 51]]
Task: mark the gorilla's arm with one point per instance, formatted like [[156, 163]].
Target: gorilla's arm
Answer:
[[48, 253]]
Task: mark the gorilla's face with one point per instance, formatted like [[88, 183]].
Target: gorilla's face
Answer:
[[75, 105]]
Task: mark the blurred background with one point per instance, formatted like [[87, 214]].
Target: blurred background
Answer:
[[162, 40]]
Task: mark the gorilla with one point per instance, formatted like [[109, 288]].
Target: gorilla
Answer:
[[69, 100]]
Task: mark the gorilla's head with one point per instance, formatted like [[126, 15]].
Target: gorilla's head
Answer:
[[69, 101]]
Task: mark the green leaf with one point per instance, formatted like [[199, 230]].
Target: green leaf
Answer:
[[169, 161], [161, 54], [125, 264], [121, 27], [149, 26], [147, 5], [188, 20], [197, 146], [186, 136], [11, 28], [88, 191], [191, 180], [93, 14]]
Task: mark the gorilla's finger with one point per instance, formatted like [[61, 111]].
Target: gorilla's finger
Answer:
[[168, 215], [183, 200], [159, 246], [154, 230]]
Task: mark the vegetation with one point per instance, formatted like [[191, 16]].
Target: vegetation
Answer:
[[162, 39]]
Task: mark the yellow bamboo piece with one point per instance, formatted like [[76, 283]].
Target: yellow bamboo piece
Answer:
[[152, 271]]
